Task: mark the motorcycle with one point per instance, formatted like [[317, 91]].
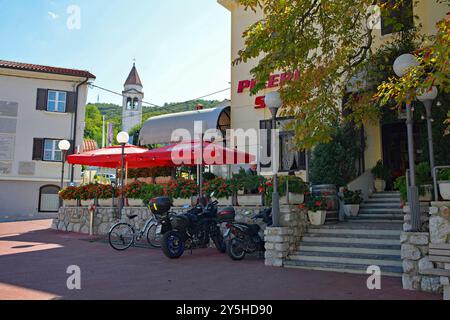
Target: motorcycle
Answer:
[[195, 228], [243, 238]]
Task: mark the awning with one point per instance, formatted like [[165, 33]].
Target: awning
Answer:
[[158, 130]]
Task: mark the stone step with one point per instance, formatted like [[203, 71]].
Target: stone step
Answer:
[[386, 195], [356, 234], [360, 226], [353, 231], [359, 255], [347, 260], [381, 210], [375, 221], [383, 200], [379, 216], [378, 205], [353, 240], [342, 267], [389, 250]]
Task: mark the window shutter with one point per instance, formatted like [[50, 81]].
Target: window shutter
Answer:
[[41, 101], [72, 148], [71, 102], [38, 148]]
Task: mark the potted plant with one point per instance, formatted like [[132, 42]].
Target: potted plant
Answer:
[[352, 201], [424, 181], [132, 192], [86, 194], [400, 185], [381, 174], [223, 190], [69, 196], [444, 183], [292, 189], [250, 188], [104, 193], [317, 209], [150, 191]]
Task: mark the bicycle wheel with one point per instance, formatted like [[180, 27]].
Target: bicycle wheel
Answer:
[[154, 235], [121, 236]]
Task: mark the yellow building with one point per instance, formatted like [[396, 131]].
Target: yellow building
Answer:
[[382, 142]]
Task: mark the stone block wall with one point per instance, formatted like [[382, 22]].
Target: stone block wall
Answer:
[[424, 217], [281, 241]]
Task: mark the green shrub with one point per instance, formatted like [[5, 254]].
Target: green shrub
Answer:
[[150, 191], [444, 175], [380, 171], [423, 173], [352, 197]]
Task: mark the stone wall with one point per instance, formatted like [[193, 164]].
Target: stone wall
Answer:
[[424, 217], [281, 241]]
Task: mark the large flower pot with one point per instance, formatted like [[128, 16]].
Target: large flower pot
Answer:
[[70, 203], [444, 189], [250, 200], [351, 210], [294, 198], [317, 218], [135, 203], [107, 202], [428, 196], [380, 185], [178, 202], [225, 201]]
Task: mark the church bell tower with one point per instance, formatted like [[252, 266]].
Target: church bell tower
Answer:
[[132, 101]]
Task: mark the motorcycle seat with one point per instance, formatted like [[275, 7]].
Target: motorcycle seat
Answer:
[[252, 228]]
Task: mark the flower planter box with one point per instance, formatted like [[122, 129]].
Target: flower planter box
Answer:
[[444, 189], [107, 202], [178, 202], [351, 210], [70, 203], [250, 200], [225, 201], [294, 198], [428, 196], [87, 203], [135, 203], [317, 218], [380, 185]]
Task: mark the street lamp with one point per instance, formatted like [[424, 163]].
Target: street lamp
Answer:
[[427, 99], [274, 102], [64, 146], [401, 66], [122, 139]]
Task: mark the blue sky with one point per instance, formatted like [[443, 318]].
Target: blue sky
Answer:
[[181, 47]]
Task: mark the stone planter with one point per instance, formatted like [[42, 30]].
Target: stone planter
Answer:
[[351, 210], [294, 198], [250, 200], [380, 185], [178, 202], [87, 203], [70, 203], [107, 202], [428, 196], [317, 218], [444, 189], [225, 201], [135, 203]]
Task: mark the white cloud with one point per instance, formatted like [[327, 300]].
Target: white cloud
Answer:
[[53, 15]]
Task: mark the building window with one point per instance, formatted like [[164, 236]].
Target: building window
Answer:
[[49, 199], [51, 150], [129, 104], [56, 101], [135, 103]]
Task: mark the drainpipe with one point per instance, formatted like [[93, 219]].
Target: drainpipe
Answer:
[[75, 123]]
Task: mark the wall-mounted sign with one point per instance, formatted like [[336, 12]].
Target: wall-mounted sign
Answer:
[[6, 147], [5, 167], [275, 81]]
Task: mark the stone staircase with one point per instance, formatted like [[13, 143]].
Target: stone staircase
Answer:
[[371, 238]]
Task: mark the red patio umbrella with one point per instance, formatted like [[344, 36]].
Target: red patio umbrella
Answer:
[[189, 154]]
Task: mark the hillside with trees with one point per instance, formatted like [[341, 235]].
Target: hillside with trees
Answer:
[[113, 114]]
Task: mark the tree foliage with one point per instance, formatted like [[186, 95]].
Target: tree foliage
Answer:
[[329, 43]]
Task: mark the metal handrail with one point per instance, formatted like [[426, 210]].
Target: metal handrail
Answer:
[[434, 173]]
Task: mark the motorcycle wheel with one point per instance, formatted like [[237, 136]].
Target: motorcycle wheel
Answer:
[[234, 250], [172, 244], [219, 243]]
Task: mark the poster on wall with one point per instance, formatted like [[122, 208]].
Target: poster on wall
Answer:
[[5, 167], [6, 148]]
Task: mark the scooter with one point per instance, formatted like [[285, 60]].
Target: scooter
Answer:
[[243, 238]]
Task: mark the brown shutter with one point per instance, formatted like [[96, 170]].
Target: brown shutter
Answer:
[[38, 148], [71, 102], [41, 101]]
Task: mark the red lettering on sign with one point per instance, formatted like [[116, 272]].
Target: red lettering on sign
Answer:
[[285, 77], [273, 81], [244, 84], [260, 103]]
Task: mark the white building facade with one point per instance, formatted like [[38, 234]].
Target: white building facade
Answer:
[[39, 106]]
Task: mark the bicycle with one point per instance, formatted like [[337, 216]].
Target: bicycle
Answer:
[[122, 235]]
